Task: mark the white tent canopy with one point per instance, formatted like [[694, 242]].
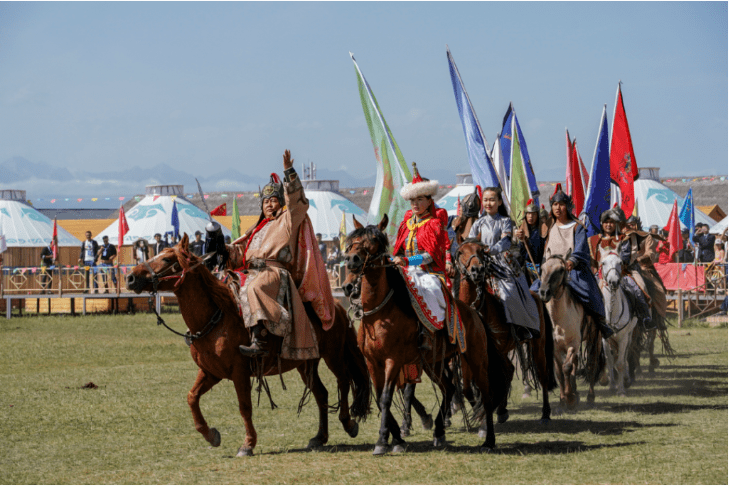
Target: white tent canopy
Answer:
[[655, 201], [153, 214], [325, 212], [719, 227], [23, 226], [464, 187]]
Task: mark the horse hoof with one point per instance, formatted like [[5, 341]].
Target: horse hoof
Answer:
[[590, 399], [399, 448], [245, 452], [502, 418], [405, 432], [655, 362], [315, 444], [486, 450], [215, 437], [482, 433], [604, 380], [455, 407], [447, 422], [353, 430], [379, 450], [526, 396], [545, 421], [427, 422], [439, 441], [622, 395]]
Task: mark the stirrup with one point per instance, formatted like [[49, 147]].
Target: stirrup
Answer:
[[256, 349]]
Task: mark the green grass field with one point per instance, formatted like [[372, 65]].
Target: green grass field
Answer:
[[136, 426]]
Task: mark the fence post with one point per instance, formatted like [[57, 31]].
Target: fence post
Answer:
[[680, 307]]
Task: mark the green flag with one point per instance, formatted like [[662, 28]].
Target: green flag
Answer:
[[519, 187], [236, 221], [392, 170]]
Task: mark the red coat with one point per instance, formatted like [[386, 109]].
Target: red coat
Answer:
[[431, 237]]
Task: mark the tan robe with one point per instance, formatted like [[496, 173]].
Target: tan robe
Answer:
[[644, 252], [269, 293]]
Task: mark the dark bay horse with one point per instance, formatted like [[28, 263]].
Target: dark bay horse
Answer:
[[388, 337], [472, 264], [217, 329]]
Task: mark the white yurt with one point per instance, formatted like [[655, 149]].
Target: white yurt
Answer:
[[153, 214], [655, 201], [23, 226], [464, 187], [326, 206], [719, 227]]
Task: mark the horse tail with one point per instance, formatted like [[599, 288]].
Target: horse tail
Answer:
[[594, 361], [359, 376], [549, 349]]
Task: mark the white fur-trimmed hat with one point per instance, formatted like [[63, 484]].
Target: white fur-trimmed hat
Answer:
[[419, 186]]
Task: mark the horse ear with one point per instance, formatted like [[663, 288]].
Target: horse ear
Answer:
[[383, 223], [357, 224], [184, 242]]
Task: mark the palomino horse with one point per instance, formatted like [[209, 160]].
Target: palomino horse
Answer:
[[619, 317], [572, 326], [216, 329], [388, 336], [471, 287]]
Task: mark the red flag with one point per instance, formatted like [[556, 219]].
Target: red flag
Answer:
[[54, 242], [123, 226], [623, 167], [219, 211], [674, 232], [574, 185]]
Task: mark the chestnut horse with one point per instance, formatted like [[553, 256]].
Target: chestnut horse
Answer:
[[471, 286], [216, 329], [572, 327], [388, 337]]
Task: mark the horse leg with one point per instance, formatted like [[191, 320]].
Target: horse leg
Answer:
[[426, 419], [203, 383], [408, 394], [309, 372], [242, 383], [653, 361], [447, 388], [622, 364], [609, 363], [385, 386], [544, 366]]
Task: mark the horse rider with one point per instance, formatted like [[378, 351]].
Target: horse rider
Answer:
[[273, 258], [568, 235], [638, 251], [531, 235], [494, 229], [610, 237], [421, 248]]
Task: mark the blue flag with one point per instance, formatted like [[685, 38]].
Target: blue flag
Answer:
[[482, 167], [598, 188], [686, 215], [506, 138], [175, 220]]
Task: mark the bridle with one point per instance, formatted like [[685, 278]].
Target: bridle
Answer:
[[478, 280], [161, 276], [565, 274], [355, 308], [612, 269], [613, 293]]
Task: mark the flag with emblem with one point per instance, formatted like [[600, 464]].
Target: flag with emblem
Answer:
[[623, 167], [687, 215], [392, 170]]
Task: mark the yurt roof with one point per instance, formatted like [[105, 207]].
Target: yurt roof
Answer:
[[153, 214], [655, 201], [325, 212], [719, 227], [24, 226]]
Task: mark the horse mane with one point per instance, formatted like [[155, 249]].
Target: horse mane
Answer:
[[370, 232], [219, 292]]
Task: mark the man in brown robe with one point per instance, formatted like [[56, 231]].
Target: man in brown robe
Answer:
[[268, 259]]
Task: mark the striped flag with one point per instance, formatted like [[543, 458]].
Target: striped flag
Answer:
[[508, 131], [519, 185], [598, 185], [482, 167], [392, 170]]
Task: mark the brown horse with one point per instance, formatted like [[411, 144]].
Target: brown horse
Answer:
[[471, 286], [388, 337], [216, 329]]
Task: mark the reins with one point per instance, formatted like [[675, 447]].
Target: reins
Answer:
[[356, 303]]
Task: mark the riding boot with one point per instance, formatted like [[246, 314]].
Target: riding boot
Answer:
[[258, 346], [424, 343], [605, 330], [524, 334]]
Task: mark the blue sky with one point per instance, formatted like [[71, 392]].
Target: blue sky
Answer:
[[218, 86]]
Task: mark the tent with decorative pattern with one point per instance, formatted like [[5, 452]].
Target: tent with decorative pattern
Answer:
[[25, 227]]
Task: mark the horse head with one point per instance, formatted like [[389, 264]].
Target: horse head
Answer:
[[166, 271], [471, 260], [612, 268], [470, 209], [553, 277], [365, 245]]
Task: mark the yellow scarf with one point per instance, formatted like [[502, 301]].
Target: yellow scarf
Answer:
[[413, 224]]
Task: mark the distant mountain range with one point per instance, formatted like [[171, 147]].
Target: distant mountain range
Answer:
[[44, 180]]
